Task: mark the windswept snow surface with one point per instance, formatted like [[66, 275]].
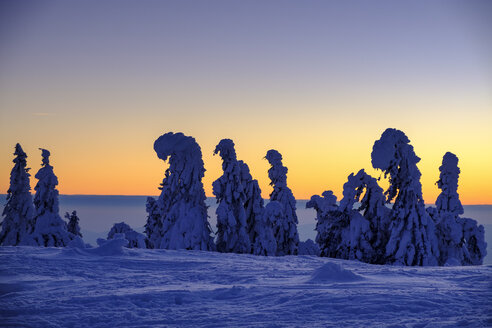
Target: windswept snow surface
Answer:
[[75, 287]]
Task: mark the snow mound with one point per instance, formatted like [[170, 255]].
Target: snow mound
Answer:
[[110, 247], [76, 242], [333, 272]]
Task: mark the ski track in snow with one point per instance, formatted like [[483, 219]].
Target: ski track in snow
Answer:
[[53, 287]]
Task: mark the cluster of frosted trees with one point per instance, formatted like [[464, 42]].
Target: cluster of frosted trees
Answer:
[[407, 233], [35, 223], [360, 227], [178, 218]]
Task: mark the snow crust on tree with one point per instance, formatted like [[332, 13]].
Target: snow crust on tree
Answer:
[[308, 247], [461, 240], [50, 229], [265, 243], [286, 228], [18, 213], [232, 233], [73, 224], [253, 204], [153, 227], [182, 200], [135, 239], [413, 238]]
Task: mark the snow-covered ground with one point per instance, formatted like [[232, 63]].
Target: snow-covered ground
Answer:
[[115, 287]]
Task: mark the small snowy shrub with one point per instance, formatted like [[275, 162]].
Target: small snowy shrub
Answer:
[[135, 239], [73, 224]]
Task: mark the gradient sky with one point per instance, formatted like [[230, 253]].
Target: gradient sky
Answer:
[[96, 82]]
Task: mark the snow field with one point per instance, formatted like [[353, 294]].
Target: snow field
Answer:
[[74, 287]]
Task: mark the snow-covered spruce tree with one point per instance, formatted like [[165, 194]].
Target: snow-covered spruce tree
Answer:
[[232, 235], [153, 227], [265, 243], [286, 228], [135, 239], [360, 235], [73, 224], [18, 213], [330, 226], [373, 208], [343, 232], [50, 229], [253, 204], [182, 200], [461, 240], [413, 238]]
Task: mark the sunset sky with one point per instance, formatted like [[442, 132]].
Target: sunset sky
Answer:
[[96, 82]]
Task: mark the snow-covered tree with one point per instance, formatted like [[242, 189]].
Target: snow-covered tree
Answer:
[[461, 240], [253, 204], [153, 227], [330, 225], [474, 236], [286, 228], [449, 199], [73, 224], [50, 229], [374, 210], [135, 239], [232, 234], [182, 200], [343, 232], [413, 238], [264, 225], [18, 213]]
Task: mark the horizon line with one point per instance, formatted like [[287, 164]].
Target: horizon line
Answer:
[[479, 204]]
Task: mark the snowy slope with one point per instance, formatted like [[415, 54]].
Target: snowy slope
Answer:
[[51, 287]]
